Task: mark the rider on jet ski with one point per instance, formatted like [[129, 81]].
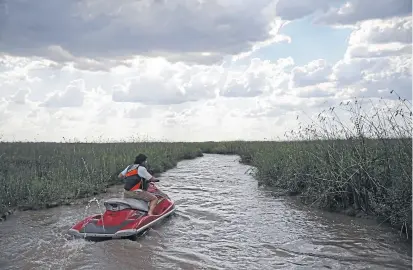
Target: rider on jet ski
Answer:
[[136, 178]]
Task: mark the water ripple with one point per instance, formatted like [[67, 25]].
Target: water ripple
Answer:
[[223, 221]]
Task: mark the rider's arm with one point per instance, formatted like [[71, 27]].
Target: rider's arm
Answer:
[[122, 174], [143, 172]]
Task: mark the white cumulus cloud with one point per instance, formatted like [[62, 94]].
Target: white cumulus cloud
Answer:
[[192, 70], [353, 11], [95, 33]]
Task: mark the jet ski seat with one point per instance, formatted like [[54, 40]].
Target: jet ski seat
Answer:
[[117, 204]]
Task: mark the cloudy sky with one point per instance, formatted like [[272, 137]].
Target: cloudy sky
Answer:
[[193, 70]]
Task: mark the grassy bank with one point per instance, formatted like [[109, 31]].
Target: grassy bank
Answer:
[[37, 175], [368, 175], [359, 166], [334, 175]]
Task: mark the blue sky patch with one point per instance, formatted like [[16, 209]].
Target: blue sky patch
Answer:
[[308, 42]]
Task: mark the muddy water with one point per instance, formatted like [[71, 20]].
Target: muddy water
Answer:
[[223, 221]]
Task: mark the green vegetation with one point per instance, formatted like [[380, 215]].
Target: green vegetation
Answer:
[[362, 165], [37, 175]]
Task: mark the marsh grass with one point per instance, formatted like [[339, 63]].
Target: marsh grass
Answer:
[[37, 175], [360, 163]]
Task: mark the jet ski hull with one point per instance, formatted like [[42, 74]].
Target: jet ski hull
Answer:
[[123, 218]]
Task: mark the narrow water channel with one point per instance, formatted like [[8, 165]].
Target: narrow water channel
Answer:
[[223, 221]]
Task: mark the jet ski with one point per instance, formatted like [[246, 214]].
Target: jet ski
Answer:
[[124, 218]]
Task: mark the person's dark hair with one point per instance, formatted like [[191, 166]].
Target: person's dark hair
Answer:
[[139, 159]]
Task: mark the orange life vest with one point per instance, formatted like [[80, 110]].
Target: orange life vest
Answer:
[[133, 180]]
